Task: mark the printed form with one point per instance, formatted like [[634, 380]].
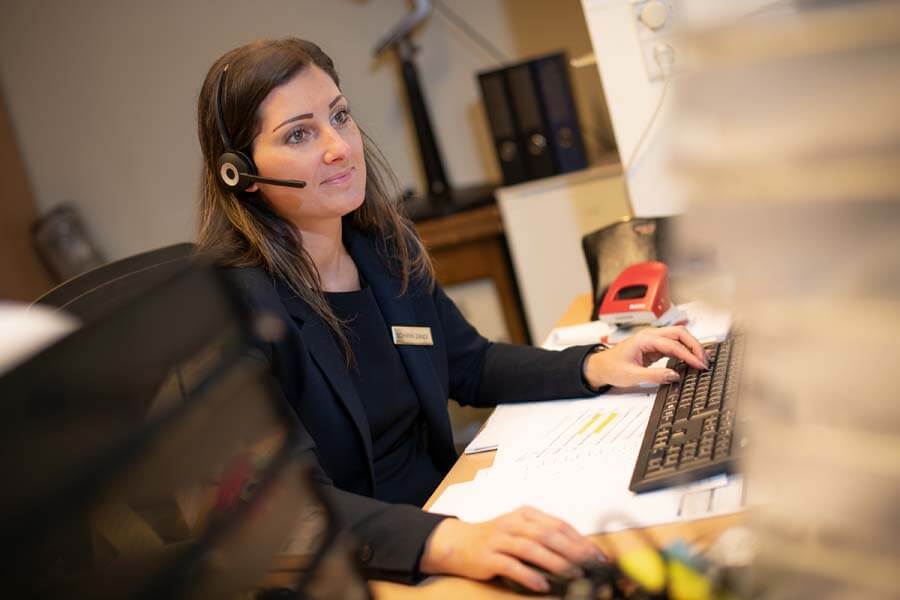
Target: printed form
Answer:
[[575, 462]]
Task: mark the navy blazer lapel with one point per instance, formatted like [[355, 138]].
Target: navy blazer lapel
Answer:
[[399, 309], [318, 340]]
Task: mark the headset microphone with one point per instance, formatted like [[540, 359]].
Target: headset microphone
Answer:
[[236, 169]]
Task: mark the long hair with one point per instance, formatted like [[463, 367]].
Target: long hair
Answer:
[[239, 229]]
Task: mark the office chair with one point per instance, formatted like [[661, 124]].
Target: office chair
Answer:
[[125, 485], [94, 293], [609, 250]]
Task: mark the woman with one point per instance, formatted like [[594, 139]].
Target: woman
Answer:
[[373, 347]]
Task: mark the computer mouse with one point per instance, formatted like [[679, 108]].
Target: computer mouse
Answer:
[[558, 583], [599, 576]]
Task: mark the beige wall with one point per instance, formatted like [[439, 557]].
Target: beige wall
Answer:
[[101, 93]]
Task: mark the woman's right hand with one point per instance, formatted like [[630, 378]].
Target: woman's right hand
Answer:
[[502, 546]]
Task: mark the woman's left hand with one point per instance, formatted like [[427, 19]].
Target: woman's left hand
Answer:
[[626, 363]]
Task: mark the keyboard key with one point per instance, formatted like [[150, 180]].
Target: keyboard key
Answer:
[[682, 413], [661, 472], [697, 416]]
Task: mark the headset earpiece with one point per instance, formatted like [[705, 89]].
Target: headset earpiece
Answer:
[[233, 170]]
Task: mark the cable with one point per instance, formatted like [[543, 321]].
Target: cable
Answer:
[[481, 41], [772, 7], [662, 96], [666, 68], [667, 73]]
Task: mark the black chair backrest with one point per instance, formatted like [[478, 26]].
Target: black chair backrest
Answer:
[[93, 294], [611, 249], [149, 455]]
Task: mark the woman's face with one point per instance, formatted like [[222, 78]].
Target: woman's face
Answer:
[[307, 133]]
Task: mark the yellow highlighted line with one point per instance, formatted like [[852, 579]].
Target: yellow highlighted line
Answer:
[[590, 422], [605, 422]]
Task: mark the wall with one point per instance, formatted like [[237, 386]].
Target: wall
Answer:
[[101, 93]]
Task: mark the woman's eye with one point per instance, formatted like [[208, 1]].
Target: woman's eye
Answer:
[[296, 136], [342, 116]]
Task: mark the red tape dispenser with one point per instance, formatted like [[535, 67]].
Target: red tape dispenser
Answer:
[[640, 296]]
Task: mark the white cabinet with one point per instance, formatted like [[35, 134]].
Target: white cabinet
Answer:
[[544, 221]]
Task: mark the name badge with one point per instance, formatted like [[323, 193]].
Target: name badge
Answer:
[[412, 336]]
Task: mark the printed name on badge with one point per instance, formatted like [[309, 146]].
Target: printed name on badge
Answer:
[[412, 336]]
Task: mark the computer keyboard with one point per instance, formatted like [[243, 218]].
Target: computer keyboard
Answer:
[[691, 434]]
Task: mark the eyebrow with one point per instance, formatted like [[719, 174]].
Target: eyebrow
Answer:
[[306, 115]]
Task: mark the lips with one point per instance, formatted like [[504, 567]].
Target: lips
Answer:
[[341, 177]]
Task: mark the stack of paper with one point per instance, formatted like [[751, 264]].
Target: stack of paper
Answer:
[[704, 322]]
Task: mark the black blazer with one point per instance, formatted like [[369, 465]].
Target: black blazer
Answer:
[[461, 365]]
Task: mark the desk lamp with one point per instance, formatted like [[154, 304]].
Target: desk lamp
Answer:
[[399, 38]]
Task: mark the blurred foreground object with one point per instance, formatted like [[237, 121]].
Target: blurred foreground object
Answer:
[[149, 455], [788, 149], [93, 294], [27, 330]]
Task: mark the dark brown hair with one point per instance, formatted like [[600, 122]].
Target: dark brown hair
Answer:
[[240, 229]]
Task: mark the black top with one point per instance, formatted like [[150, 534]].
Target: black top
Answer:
[[404, 471]]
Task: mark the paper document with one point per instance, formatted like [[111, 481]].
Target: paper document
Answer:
[[574, 459], [576, 335], [577, 430], [704, 322], [510, 422]]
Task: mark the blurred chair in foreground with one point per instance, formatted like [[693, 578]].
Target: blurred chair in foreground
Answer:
[[94, 293], [149, 455]]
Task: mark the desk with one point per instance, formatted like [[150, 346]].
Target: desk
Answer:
[[466, 468], [470, 245]]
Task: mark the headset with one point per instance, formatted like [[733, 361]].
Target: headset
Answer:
[[236, 170]]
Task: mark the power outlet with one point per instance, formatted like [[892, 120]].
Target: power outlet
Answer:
[[653, 21]]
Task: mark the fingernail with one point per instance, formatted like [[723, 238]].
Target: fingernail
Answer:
[[542, 585], [672, 376]]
